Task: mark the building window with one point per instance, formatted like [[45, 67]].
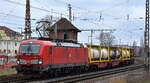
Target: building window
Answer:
[[15, 43], [65, 35], [15, 51]]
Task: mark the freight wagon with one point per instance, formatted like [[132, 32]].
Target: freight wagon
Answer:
[[109, 56]]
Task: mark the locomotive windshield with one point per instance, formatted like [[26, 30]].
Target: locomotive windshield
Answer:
[[30, 48]]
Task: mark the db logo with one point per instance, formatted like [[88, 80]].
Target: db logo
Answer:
[[69, 55]]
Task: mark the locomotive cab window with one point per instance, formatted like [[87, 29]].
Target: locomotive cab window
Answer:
[[30, 48]]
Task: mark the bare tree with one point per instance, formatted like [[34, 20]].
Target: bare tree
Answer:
[[134, 43], [141, 51], [106, 38], [141, 42]]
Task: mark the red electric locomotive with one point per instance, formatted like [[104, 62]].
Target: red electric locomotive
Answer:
[[39, 55]]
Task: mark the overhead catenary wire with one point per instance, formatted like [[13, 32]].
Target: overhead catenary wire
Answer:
[[11, 15], [38, 8], [12, 23], [87, 11], [42, 9]]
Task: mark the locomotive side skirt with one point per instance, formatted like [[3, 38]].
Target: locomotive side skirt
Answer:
[[48, 67], [68, 65]]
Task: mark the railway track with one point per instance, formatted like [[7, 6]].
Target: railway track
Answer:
[[17, 78], [24, 79], [91, 75]]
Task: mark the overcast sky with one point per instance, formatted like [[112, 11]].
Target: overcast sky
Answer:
[[122, 15]]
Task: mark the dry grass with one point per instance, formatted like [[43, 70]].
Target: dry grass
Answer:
[[7, 71], [144, 81]]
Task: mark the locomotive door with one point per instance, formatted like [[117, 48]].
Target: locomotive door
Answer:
[[47, 58], [50, 55]]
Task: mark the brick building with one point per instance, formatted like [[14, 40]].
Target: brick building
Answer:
[[63, 29]]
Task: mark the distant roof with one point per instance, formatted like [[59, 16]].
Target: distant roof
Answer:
[[63, 25], [9, 31]]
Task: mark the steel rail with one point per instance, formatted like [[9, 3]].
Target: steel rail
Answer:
[[91, 75], [16, 78]]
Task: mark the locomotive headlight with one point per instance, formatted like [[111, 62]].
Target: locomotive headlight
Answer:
[[40, 61], [21, 61]]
